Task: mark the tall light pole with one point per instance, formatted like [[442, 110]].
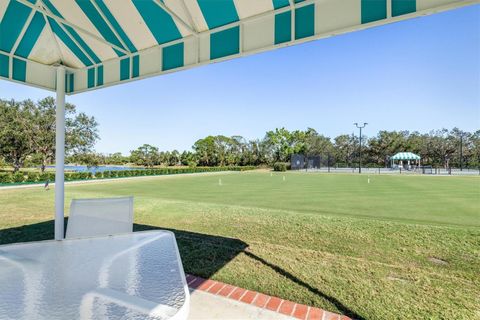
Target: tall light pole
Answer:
[[360, 146]]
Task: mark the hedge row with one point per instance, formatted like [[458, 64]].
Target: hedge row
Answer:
[[33, 177]]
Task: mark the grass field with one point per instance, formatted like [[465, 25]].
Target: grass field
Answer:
[[399, 247]]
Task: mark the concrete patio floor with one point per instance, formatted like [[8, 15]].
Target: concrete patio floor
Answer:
[[212, 299], [204, 305]]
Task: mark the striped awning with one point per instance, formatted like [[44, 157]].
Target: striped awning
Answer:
[[405, 156], [105, 42]]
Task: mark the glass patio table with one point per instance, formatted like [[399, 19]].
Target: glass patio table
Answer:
[[130, 276]]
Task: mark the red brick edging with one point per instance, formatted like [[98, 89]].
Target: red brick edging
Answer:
[[289, 308]]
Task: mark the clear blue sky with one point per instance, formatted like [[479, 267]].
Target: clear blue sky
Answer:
[[419, 74]]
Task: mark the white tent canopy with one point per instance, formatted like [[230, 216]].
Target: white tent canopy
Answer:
[[409, 157], [73, 46], [405, 156]]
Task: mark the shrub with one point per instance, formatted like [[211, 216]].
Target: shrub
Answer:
[[47, 176], [32, 177], [69, 176], [280, 166], [85, 175], [18, 177], [6, 178]]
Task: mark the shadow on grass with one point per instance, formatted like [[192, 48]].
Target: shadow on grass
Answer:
[[202, 255], [32, 232], [340, 306]]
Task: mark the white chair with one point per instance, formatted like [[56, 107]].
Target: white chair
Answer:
[[100, 217]]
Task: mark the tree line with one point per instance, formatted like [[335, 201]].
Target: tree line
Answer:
[[439, 148], [27, 138]]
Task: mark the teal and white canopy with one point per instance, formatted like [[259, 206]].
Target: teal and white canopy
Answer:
[[405, 156], [105, 42]]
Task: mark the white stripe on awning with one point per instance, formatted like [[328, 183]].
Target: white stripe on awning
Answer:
[[248, 8], [132, 23]]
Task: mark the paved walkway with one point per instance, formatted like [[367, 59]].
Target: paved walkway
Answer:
[[207, 306], [216, 300]]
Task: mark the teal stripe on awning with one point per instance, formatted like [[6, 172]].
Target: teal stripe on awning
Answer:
[[135, 66], [400, 7], [19, 70], [91, 78], [52, 8], [125, 69], [218, 13], [4, 66], [72, 33], [14, 19], [69, 42], [159, 22], [373, 10], [83, 44], [283, 27], [172, 56], [97, 20], [305, 21], [225, 43], [31, 35], [116, 25], [100, 76], [277, 4], [70, 83]]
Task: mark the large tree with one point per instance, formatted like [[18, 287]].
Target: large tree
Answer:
[[441, 147], [474, 150], [15, 144], [28, 129], [206, 151], [344, 149], [317, 144], [146, 155], [281, 144]]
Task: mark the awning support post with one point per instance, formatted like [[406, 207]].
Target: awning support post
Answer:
[[60, 155]]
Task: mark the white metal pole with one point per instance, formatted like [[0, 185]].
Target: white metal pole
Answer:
[[60, 154]]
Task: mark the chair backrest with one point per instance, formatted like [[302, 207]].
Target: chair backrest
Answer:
[[100, 217]]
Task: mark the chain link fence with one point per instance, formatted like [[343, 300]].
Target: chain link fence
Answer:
[[327, 163]]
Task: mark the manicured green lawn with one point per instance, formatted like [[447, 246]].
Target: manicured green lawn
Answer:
[[399, 247]]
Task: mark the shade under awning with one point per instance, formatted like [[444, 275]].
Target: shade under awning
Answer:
[[105, 42]]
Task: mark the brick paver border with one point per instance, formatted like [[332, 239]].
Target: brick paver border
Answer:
[[289, 308]]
